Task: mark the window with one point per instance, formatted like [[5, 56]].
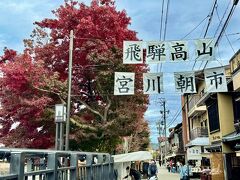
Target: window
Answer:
[[205, 123], [202, 93], [213, 116], [236, 106]]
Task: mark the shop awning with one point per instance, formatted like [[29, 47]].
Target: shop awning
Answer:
[[199, 141], [171, 155], [214, 148], [231, 137], [206, 155]]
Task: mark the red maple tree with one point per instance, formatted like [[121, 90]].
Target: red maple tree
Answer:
[[37, 79]]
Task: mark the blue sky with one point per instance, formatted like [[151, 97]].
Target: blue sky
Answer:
[[17, 18]]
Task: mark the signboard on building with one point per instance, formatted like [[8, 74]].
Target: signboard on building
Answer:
[[194, 153]]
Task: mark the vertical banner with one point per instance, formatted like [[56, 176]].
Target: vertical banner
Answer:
[[132, 52], [185, 82], [152, 83], [205, 49], [155, 52], [215, 80], [124, 83], [178, 51]]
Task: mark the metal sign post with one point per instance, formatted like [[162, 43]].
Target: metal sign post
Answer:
[[60, 120]]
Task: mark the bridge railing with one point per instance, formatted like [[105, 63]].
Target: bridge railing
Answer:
[[26, 164]]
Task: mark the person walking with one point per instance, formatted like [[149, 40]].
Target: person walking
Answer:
[[168, 166], [171, 165], [184, 171], [133, 173], [152, 170]]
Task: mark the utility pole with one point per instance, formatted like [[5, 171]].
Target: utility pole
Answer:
[[159, 127], [69, 91], [165, 126]]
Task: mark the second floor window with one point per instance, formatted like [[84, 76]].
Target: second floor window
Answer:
[[213, 116], [236, 107]]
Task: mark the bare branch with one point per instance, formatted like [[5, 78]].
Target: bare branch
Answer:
[[49, 91], [91, 109], [106, 109], [83, 126]]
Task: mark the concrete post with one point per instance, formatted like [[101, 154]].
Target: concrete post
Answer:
[[74, 162], [17, 164], [52, 164]]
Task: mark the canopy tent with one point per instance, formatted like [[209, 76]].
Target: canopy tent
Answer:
[[121, 161], [134, 156]]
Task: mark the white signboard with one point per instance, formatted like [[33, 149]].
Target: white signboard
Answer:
[[132, 52], [215, 80], [178, 51], [124, 83], [194, 153], [152, 83], [60, 113], [185, 82], [155, 52], [205, 49]]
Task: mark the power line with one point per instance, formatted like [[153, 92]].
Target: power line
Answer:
[[178, 112], [210, 17], [225, 12], [166, 20], [175, 117], [224, 26], [165, 27], [209, 22], [159, 67], [219, 25], [231, 34], [195, 28], [161, 25], [226, 34]]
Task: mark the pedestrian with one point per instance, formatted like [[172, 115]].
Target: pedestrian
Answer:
[[145, 169], [152, 170], [185, 171], [133, 173], [160, 161], [168, 166], [178, 164], [171, 164]]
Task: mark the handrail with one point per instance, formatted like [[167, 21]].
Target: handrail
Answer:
[[199, 132], [51, 165]]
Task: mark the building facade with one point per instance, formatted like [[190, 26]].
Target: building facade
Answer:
[[176, 148], [196, 128], [215, 116]]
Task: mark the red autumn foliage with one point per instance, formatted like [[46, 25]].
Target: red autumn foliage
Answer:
[[23, 104], [35, 81], [9, 55]]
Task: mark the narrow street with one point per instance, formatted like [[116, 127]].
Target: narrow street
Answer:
[[163, 174]]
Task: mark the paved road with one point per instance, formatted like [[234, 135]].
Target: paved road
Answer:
[[163, 174]]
